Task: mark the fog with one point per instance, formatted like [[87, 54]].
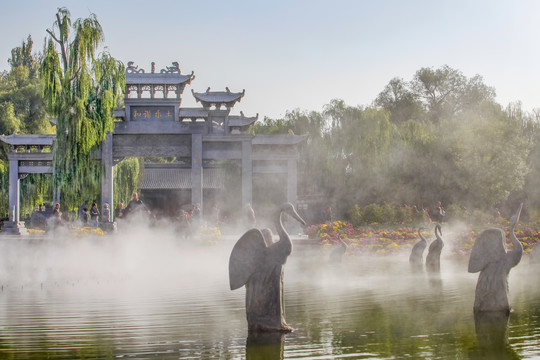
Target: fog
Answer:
[[135, 255], [146, 263]]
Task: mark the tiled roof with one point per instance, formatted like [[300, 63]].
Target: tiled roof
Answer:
[[213, 97], [163, 178], [241, 121], [163, 79], [28, 139]]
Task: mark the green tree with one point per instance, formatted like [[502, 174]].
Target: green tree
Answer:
[[445, 91], [126, 179], [400, 101], [9, 123], [22, 110], [21, 88], [81, 91], [22, 57]]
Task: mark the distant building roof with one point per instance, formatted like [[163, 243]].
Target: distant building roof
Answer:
[[218, 98], [240, 124], [28, 139], [242, 121], [158, 79], [169, 75]]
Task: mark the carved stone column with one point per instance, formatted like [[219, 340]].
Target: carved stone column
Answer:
[[14, 226], [14, 193], [197, 171], [107, 178]]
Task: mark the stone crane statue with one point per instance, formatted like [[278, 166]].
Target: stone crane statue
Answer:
[[489, 256], [259, 267], [433, 258], [336, 255], [416, 259]]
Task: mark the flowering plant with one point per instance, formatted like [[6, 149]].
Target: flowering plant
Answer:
[[459, 241], [209, 235]]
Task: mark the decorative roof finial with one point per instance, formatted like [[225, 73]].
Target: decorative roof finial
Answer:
[[132, 68], [175, 68]]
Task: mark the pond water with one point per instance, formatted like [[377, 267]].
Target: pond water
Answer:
[[157, 297]]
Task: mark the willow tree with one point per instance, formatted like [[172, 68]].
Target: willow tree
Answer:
[[81, 91]]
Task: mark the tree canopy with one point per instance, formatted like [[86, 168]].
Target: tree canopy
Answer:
[[440, 136], [81, 90]]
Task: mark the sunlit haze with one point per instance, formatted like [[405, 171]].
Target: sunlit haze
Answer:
[[302, 54]]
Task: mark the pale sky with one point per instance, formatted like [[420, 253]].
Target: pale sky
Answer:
[[302, 54]]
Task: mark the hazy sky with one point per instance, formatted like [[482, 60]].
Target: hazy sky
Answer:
[[302, 54]]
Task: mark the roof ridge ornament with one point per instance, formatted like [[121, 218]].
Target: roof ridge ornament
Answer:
[[132, 69], [256, 117], [175, 68]]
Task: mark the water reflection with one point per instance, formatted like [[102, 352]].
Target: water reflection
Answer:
[[492, 335], [435, 281], [265, 346]]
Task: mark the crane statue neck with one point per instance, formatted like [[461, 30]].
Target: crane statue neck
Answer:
[[421, 236], [284, 239], [517, 252], [439, 232]]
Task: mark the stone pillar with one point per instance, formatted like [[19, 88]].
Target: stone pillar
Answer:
[[247, 173], [14, 193], [292, 181], [107, 178], [197, 171], [14, 226], [226, 125]]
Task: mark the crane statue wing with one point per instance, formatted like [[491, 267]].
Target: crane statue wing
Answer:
[[247, 254], [488, 247]]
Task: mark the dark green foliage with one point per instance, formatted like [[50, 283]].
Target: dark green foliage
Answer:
[[373, 213]]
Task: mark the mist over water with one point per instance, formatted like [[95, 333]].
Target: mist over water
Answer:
[[147, 291]]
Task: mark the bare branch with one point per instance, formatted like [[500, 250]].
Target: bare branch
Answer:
[[75, 75], [54, 37]]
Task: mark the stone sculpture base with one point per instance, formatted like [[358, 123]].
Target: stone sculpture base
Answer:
[[13, 228]]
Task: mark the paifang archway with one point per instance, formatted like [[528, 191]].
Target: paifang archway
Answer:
[[153, 124]]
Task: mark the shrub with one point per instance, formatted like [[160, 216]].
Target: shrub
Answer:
[[372, 213], [388, 214], [403, 214], [355, 215]]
